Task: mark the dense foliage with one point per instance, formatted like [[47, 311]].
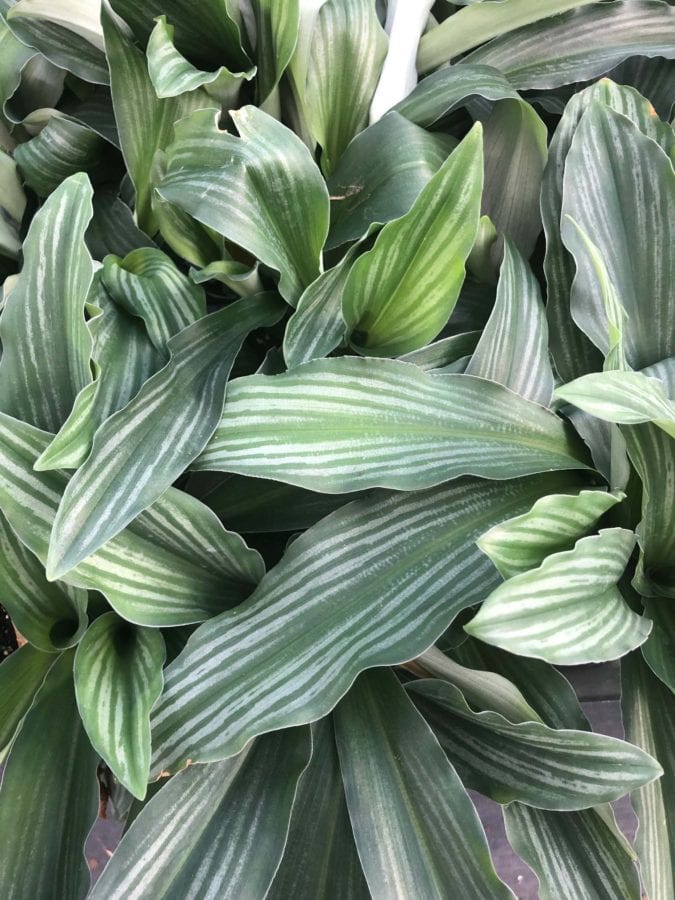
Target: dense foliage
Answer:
[[337, 409]]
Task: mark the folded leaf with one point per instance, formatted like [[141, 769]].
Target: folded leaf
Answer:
[[373, 584], [276, 35], [140, 451], [313, 425], [400, 294], [21, 674], [417, 832], [569, 610]]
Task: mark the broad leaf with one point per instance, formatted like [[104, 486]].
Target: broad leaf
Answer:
[[136, 456], [118, 678], [311, 427], [21, 675], [569, 609], [230, 821], [417, 832], [381, 596]]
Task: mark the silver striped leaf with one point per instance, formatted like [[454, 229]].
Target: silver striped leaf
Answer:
[[276, 37], [569, 610], [140, 450], [12, 205], [118, 678], [348, 423], [21, 675], [217, 830], [416, 829], [375, 583]]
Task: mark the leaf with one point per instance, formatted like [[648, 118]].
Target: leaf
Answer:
[[230, 821], [261, 190], [380, 175], [574, 854], [400, 294], [320, 858], [414, 824], [373, 584], [658, 648], [45, 338], [579, 45], [528, 761], [50, 615], [346, 38], [174, 565], [12, 205], [276, 32], [49, 796], [569, 610], [435, 358], [649, 717], [345, 424], [15, 56], [112, 229], [554, 524], [140, 450], [606, 181], [145, 122], [513, 348], [118, 678], [21, 674], [78, 16]]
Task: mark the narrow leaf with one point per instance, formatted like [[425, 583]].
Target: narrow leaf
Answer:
[[21, 674]]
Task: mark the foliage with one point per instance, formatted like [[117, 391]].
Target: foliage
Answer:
[[337, 409]]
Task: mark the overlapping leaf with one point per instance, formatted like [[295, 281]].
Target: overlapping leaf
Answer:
[[21, 675]]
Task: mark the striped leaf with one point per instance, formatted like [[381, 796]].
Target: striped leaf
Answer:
[[438, 356], [375, 583], [313, 425], [112, 229], [261, 190], [568, 610], [124, 359], [49, 796], [21, 675], [51, 615], [320, 858], [141, 450], [579, 45], [658, 648], [513, 348], [13, 202], [148, 284], [573, 854], [417, 832], [400, 294], [613, 165], [45, 338], [230, 821], [380, 175], [174, 565], [628, 398], [78, 16], [648, 708], [276, 35], [118, 678], [346, 38], [15, 56], [144, 121], [528, 761], [554, 524]]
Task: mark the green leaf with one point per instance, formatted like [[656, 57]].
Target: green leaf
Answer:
[[528, 761], [400, 294], [379, 597], [79, 16], [52, 616], [13, 202], [659, 646], [49, 796], [261, 190], [230, 821], [15, 56], [45, 338], [145, 122], [320, 858], [118, 678], [21, 674], [414, 824], [174, 565], [346, 424], [574, 854], [568, 610], [553, 524], [649, 719], [615, 173], [112, 229], [380, 175], [276, 34], [436, 358], [578, 45], [140, 450], [513, 348], [346, 38]]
